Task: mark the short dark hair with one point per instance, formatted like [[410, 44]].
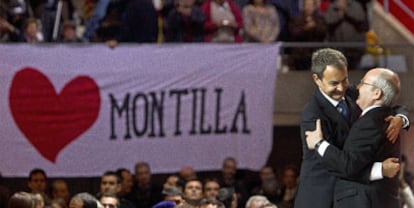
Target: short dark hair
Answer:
[[113, 173], [36, 171], [327, 56]]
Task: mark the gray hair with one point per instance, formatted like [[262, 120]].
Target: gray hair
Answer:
[[389, 82], [327, 56], [256, 198]]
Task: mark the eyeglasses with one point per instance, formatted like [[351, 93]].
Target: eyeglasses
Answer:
[[365, 83]]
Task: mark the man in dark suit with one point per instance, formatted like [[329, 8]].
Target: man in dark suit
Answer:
[[366, 143], [330, 74]]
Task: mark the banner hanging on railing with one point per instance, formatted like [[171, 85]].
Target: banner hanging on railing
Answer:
[[81, 110]]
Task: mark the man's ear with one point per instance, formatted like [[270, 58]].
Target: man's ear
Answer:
[[316, 79], [378, 93]]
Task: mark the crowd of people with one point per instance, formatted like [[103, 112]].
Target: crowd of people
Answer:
[[223, 21], [122, 188]]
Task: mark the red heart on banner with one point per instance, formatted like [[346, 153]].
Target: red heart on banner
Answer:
[[49, 120]]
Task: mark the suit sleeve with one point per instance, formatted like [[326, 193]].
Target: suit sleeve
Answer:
[[358, 155]]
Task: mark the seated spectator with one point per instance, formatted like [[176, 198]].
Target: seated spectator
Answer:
[[193, 193], [223, 21], [174, 195], [68, 34], [261, 22], [289, 186], [22, 200], [83, 200], [8, 33], [60, 190], [347, 22], [228, 197], [256, 201], [309, 26], [32, 33], [126, 182], [173, 181], [185, 23], [211, 189], [58, 203], [211, 203], [187, 173]]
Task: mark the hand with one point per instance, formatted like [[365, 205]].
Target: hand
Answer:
[[313, 137], [390, 167], [394, 128]]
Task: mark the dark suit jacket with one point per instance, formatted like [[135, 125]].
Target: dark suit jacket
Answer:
[[316, 185], [366, 143]]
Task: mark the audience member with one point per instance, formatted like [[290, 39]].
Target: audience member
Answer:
[[256, 201], [145, 193], [173, 181], [58, 203], [211, 189], [309, 26], [38, 183], [193, 193], [68, 34], [266, 174], [110, 201], [60, 190], [261, 22], [187, 173], [228, 197], [8, 33], [346, 20], [286, 10], [289, 186], [22, 200], [228, 179], [223, 21], [31, 32], [211, 203], [173, 194], [83, 200], [126, 182], [111, 185], [185, 23]]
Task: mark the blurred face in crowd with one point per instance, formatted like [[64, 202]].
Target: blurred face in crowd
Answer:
[[60, 190], [211, 189], [334, 82], [109, 202], [142, 175], [127, 183], [37, 183], [110, 185], [289, 178], [76, 203], [267, 173], [229, 169], [177, 199], [31, 29], [309, 6], [193, 190]]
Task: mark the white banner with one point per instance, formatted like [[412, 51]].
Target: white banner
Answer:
[[82, 110]]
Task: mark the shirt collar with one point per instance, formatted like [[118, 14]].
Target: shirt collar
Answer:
[[369, 108], [332, 101]]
